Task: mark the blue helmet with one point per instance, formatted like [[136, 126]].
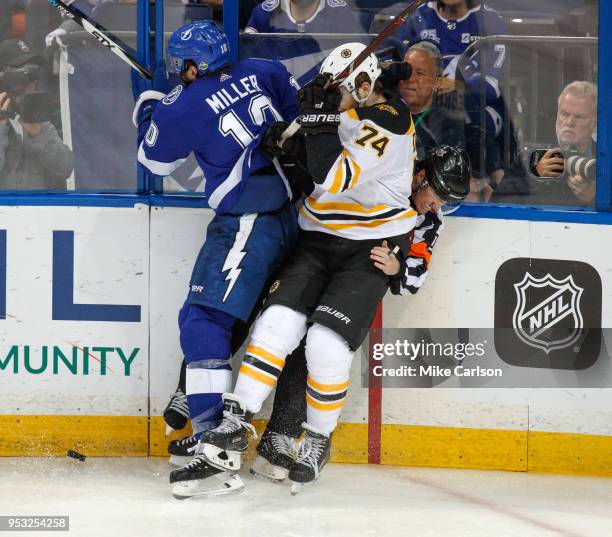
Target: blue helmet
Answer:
[[203, 42]]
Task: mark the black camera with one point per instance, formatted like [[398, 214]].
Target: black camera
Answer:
[[32, 107], [15, 79], [573, 163]]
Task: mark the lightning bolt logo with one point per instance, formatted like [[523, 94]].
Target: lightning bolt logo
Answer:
[[237, 253]]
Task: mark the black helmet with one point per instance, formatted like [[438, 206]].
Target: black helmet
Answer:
[[448, 172]]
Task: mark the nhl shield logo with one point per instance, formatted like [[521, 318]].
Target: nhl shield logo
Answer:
[[547, 314]]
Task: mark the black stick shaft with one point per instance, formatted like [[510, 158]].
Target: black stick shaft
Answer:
[[113, 43]]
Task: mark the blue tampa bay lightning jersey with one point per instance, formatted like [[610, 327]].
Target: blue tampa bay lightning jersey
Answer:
[[221, 118], [453, 37], [331, 16]]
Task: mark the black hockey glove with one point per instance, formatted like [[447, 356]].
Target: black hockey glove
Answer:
[[319, 106], [293, 148], [393, 73], [299, 178]]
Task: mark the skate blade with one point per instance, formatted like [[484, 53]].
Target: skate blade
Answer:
[[169, 430], [208, 488], [296, 487], [180, 460], [221, 459], [262, 468]]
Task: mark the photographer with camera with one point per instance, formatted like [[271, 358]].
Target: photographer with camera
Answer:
[[32, 155], [573, 159]]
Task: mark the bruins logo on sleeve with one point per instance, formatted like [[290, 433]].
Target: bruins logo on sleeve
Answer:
[[387, 108]]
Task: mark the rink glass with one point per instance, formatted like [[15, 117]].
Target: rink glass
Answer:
[[545, 48]]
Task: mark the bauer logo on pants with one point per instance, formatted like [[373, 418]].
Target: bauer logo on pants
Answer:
[[548, 313]]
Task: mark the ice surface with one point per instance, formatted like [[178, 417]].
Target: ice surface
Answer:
[[117, 497]]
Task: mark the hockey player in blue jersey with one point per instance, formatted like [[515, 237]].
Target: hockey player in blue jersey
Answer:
[[220, 113]]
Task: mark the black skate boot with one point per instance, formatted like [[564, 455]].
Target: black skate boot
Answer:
[[275, 456], [198, 478], [176, 413], [312, 456], [224, 443], [183, 450]]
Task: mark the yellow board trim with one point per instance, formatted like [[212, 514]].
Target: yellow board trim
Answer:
[[404, 445], [98, 436], [262, 353], [578, 454], [446, 447]]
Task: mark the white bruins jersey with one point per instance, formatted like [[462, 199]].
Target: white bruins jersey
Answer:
[[366, 193]]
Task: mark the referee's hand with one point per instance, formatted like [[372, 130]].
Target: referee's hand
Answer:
[[384, 259]]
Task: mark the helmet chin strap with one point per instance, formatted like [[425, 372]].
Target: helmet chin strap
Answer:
[[362, 102], [422, 185]]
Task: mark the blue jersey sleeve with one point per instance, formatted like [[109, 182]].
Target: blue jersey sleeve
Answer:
[[258, 21], [408, 31], [415, 29], [488, 61], [281, 86], [164, 147], [288, 97]]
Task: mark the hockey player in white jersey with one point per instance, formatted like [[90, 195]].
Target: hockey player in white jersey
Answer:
[[356, 226]]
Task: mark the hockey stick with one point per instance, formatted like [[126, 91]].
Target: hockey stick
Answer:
[[126, 53], [380, 38]]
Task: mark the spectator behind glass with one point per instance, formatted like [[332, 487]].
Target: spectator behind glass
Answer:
[[454, 25], [245, 7], [434, 125], [576, 129], [302, 55], [32, 155], [305, 16]]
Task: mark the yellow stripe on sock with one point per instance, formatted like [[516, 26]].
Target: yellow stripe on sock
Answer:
[[327, 387], [264, 354], [245, 370], [324, 406]]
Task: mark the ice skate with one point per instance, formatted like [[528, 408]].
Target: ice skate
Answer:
[[183, 450], [313, 454], [275, 456], [176, 414], [198, 478], [223, 444]]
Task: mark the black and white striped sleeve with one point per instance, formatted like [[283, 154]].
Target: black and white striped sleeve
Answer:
[[414, 267]]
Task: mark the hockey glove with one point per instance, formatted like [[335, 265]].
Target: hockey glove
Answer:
[[393, 73], [319, 106], [143, 111], [293, 148]]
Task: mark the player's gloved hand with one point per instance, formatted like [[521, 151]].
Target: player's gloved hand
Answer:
[[315, 96], [269, 144], [54, 37], [145, 106], [319, 107], [294, 147], [393, 73]]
